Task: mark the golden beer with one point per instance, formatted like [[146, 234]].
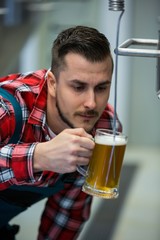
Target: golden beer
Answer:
[[103, 174]]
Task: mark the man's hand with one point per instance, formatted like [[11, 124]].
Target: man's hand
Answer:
[[63, 153]]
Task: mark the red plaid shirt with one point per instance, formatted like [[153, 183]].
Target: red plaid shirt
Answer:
[[66, 211]]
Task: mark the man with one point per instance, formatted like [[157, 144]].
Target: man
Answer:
[[61, 108]]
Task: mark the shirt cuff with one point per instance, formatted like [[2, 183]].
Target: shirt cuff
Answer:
[[22, 164]]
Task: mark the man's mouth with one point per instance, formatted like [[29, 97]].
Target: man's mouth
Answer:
[[88, 115]]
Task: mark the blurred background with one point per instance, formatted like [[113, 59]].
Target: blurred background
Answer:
[[27, 31]]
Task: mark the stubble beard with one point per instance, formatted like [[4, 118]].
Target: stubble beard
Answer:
[[63, 118]]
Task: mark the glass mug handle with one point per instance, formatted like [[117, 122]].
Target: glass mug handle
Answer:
[[82, 171]]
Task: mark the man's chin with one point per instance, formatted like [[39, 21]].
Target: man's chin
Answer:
[[86, 127]]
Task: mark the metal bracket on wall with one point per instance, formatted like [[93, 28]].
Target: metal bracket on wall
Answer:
[[125, 50]]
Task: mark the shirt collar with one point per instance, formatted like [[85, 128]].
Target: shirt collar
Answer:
[[38, 114]]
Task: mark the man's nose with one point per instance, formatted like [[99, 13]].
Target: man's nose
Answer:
[[90, 100]]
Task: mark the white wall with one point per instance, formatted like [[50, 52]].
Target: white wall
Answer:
[[108, 25], [138, 105], [145, 106]]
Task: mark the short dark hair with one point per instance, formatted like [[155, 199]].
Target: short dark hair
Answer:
[[83, 40]]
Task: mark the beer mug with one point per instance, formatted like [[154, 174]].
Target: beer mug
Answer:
[[103, 172]]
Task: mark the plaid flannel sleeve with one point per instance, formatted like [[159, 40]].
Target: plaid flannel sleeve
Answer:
[[15, 160], [16, 164]]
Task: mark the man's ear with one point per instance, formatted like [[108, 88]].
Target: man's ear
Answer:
[[51, 83]]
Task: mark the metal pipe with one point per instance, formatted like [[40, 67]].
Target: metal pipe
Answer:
[[158, 70]]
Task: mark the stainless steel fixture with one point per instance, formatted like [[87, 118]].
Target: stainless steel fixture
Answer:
[[126, 48]]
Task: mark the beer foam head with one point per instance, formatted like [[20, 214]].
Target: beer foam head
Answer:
[[110, 140]]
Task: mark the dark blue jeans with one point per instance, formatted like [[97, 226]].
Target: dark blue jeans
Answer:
[[17, 199]]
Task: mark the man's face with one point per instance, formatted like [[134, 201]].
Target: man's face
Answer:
[[82, 91]]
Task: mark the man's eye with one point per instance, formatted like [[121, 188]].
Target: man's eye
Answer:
[[101, 89], [78, 88]]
